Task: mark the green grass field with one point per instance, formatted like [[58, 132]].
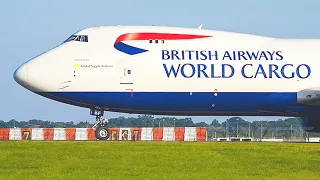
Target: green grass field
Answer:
[[158, 160]]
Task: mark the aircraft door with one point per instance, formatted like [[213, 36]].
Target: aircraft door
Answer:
[[126, 74]]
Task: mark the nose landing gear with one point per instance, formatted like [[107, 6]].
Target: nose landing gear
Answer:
[[101, 132]]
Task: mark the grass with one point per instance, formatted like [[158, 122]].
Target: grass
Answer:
[[158, 160]]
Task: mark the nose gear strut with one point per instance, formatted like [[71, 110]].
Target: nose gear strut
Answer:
[[100, 121]]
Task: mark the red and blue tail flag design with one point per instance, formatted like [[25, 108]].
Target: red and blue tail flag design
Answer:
[[131, 50]]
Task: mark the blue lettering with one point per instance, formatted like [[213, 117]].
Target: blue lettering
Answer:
[[260, 70], [197, 55], [203, 55], [174, 53], [189, 54], [224, 71], [263, 54], [242, 54], [234, 55], [283, 71], [193, 69], [201, 69], [271, 54], [280, 57], [253, 56], [243, 71], [215, 55], [165, 55], [273, 70], [212, 72], [182, 55], [172, 70], [298, 71], [226, 55]]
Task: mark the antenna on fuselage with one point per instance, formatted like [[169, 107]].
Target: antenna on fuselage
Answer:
[[200, 26]]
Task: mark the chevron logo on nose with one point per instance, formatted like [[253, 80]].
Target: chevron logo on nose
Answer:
[[131, 50]]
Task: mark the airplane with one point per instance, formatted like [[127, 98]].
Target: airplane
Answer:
[[179, 71]]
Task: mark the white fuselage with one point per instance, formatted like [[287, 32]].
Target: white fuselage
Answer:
[[165, 70]]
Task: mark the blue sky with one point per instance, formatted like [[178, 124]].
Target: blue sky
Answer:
[[28, 28]]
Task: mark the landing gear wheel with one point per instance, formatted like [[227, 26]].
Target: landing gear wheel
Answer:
[[102, 133]]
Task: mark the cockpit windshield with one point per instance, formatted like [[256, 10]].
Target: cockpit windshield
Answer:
[[81, 38]]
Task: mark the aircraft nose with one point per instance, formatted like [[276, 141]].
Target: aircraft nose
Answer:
[[21, 75]]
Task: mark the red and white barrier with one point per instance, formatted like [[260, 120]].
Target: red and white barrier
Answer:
[[146, 134], [168, 134], [125, 134], [15, 134], [122, 134], [59, 134], [81, 134], [201, 134], [190, 134], [37, 134], [179, 134], [157, 134]]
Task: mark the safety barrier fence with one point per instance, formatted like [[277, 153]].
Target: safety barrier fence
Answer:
[[116, 134]]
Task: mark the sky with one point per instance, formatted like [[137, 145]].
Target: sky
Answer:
[[28, 28]]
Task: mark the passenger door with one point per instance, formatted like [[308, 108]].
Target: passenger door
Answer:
[[126, 75]]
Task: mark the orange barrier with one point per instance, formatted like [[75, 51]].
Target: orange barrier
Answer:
[[48, 134], [157, 134], [114, 134], [70, 134], [179, 134], [125, 134], [91, 135], [132, 133], [26, 133], [4, 134], [201, 134], [135, 134]]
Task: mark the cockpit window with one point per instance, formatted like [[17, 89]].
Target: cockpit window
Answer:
[[81, 38]]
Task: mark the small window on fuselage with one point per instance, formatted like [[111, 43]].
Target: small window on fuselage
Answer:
[[84, 38], [81, 38]]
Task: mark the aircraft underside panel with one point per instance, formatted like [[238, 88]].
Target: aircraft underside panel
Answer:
[[176, 103]]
